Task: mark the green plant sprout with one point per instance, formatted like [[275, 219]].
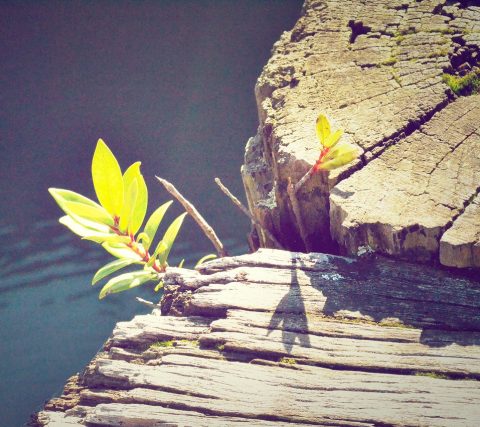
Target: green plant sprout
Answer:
[[115, 222], [333, 152]]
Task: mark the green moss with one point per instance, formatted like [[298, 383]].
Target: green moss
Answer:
[[163, 344], [399, 38], [288, 361], [466, 85], [220, 347], [431, 375], [438, 53], [390, 61]]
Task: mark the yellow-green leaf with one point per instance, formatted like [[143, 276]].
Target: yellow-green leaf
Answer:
[[112, 267], [339, 155], [169, 238], [92, 213], [141, 202], [159, 286], [204, 259], [154, 221], [126, 281], [129, 201], [333, 138], [104, 237], [61, 196], [181, 263], [323, 128], [121, 251], [107, 179], [159, 249], [74, 226]]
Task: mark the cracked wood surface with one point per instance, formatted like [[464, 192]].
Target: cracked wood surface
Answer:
[[375, 68], [278, 338]]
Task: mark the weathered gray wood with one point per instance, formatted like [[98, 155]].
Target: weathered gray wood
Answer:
[[312, 394], [135, 415], [364, 354], [59, 419], [146, 329], [330, 341]]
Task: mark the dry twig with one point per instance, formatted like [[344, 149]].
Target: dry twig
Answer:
[[239, 204], [200, 220]]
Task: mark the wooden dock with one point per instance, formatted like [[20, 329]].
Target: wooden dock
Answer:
[[278, 338]]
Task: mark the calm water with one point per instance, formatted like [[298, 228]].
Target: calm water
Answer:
[[169, 83]]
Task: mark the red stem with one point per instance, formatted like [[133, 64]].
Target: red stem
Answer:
[[132, 245]]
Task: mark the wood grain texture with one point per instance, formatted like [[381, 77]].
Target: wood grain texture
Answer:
[[278, 338]]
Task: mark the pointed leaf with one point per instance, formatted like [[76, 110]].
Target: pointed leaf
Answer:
[[107, 179], [181, 263], [144, 239], [333, 138], [126, 281], [111, 267], [104, 237], [204, 259], [92, 213], [169, 238], [141, 203], [340, 154], [121, 251], [61, 196], [323, 128], [159, 249], [128, 206], [82, 227], [159, 286], [74, 226], [154, 221]]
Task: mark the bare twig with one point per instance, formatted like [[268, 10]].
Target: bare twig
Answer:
[[147, 303], [297, 213], [203, 224], [305, 178], [239, 204]]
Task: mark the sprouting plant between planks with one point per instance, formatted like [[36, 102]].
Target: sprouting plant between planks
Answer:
[[116, 220]]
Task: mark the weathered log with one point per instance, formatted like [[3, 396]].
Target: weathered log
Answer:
[[280, 338], [376, 69]]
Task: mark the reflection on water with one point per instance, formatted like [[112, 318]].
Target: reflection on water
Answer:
[[52, 322], [166, 82]]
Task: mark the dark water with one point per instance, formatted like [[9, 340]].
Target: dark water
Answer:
[[169, 83]]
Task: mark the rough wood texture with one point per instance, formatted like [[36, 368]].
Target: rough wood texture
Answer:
[[375, 68], [278, 338]]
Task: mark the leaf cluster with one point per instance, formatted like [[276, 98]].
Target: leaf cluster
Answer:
[[333, 152], [115, 222]]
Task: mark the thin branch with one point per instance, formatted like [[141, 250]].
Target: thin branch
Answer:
[[239, 205], [147, 303], [305, 178], [297, 213], [202, 223]]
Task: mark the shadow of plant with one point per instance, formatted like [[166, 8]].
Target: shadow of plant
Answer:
[[443, 305]]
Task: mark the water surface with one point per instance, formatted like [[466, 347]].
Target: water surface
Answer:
[[169, 83]]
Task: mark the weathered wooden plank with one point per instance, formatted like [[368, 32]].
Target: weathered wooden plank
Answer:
[[145, 329], [311, 394], [341, 301], [316, 325], [347, 353], [135, 415], [58, 419]]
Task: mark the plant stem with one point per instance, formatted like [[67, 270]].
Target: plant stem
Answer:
[[133, 246], [311, 171]]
